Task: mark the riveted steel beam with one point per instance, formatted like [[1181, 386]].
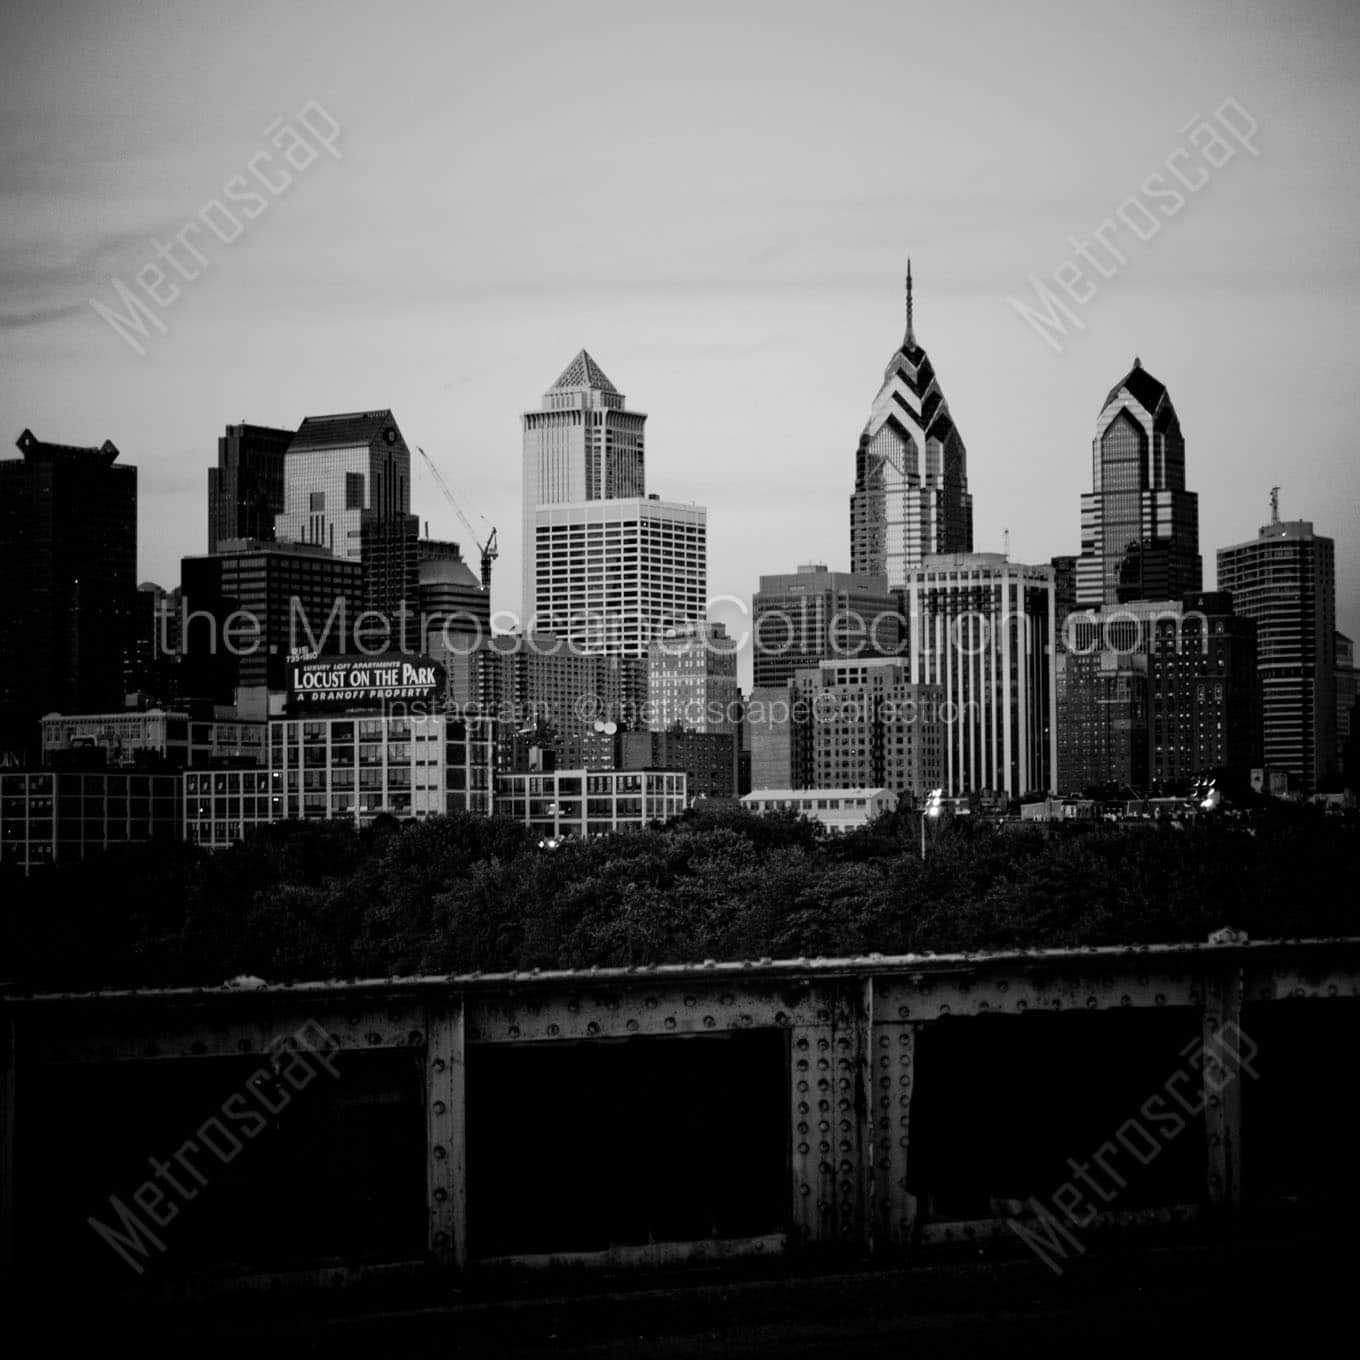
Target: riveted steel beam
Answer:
[[892, 1085], [446, 1133], [100, 1036], [1224, 1061]]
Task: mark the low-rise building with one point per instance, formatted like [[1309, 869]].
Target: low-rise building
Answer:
[[359, 766], [836, 809], [221, 806], [155, 735], [561, 803], [52, 816]]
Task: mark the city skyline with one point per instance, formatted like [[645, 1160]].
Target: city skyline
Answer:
[[744, 311]]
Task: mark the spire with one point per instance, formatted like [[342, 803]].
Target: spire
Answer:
[[910, 341]]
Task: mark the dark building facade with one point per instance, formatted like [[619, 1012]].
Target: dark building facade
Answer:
[[245, 489], [1285, 580], [1064, 591], [557, 707], [911, 494], [707, 759], [294, 590], [1154, 695], [813, 615], [1139, 525], [68, 563], [451, 595], [52, 816]]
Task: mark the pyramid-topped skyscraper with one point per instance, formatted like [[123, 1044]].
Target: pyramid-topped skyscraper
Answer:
[[911, 495], [606, 566]]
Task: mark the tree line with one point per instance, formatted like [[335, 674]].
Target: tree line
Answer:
[[316, 900]]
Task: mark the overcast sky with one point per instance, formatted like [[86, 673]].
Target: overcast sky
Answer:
[[718, 201]]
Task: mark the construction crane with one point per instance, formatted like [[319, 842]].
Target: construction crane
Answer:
[[490, 552]]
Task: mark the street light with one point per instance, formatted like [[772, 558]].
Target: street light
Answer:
[[932, 810]]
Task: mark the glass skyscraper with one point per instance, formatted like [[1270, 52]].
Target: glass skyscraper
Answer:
[[1139, 525], [911, 496], [347, 486]]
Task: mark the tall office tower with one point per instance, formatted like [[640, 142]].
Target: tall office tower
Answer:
[[251, 603], [68, 561], [1155, 694], [865, 725], [982, 629], [347, 487], [452, 600], [692, 682], [1285, 579], [613, 575], [911, 471], [245, 489], [1347, 691], [582, 445], [814, 615], [1139, 525]]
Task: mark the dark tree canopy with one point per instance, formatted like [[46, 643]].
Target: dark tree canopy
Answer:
[[303, 901]]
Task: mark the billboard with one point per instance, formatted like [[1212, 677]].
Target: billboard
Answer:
[[340, 682]]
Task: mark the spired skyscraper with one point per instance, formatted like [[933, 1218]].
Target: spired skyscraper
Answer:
[[911, 495], [1139, 525]]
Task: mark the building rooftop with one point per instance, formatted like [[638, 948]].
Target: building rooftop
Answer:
[[583, 371], [343, 431], [35, 449], [1140, 385]]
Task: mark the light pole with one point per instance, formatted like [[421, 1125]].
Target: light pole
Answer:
[[931, 810]]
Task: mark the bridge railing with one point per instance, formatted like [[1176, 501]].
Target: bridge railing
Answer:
[[854, 1107]]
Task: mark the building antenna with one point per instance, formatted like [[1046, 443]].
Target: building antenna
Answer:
[[910, 342], [1006, 544], [1274, 504]]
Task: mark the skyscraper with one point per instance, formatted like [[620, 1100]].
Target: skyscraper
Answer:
[[1285, 580], [911, 494], [582, 445], [245, 489], [606, 567], [981, 628], [68, 561], [1139, 525], [347, 487]]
